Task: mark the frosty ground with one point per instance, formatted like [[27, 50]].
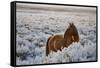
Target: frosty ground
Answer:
[[34, 27]]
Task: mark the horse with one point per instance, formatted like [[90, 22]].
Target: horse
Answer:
[[58, 42]]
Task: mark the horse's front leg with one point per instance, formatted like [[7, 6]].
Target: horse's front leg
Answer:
[[60, 49]]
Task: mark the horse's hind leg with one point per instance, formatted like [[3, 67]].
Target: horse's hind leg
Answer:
[[47, 47]]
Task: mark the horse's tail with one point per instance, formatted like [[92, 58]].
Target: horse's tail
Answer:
[[47, 47]]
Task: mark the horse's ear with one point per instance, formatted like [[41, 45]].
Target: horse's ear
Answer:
[[70, 24]]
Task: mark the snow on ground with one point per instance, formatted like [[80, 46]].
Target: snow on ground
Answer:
[[33, 30]]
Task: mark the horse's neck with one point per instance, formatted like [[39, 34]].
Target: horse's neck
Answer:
[[65, 35], [67, 38]]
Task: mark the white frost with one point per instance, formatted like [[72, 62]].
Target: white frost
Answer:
[[33, 30]]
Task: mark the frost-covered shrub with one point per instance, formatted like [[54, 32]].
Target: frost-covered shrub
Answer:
[[33, 30]]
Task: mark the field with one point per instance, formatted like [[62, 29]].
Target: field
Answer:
[[34, 25]]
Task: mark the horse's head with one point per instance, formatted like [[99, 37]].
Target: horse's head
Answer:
[[71, 34]]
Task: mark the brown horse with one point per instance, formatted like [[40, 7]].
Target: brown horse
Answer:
[[58, 42]]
